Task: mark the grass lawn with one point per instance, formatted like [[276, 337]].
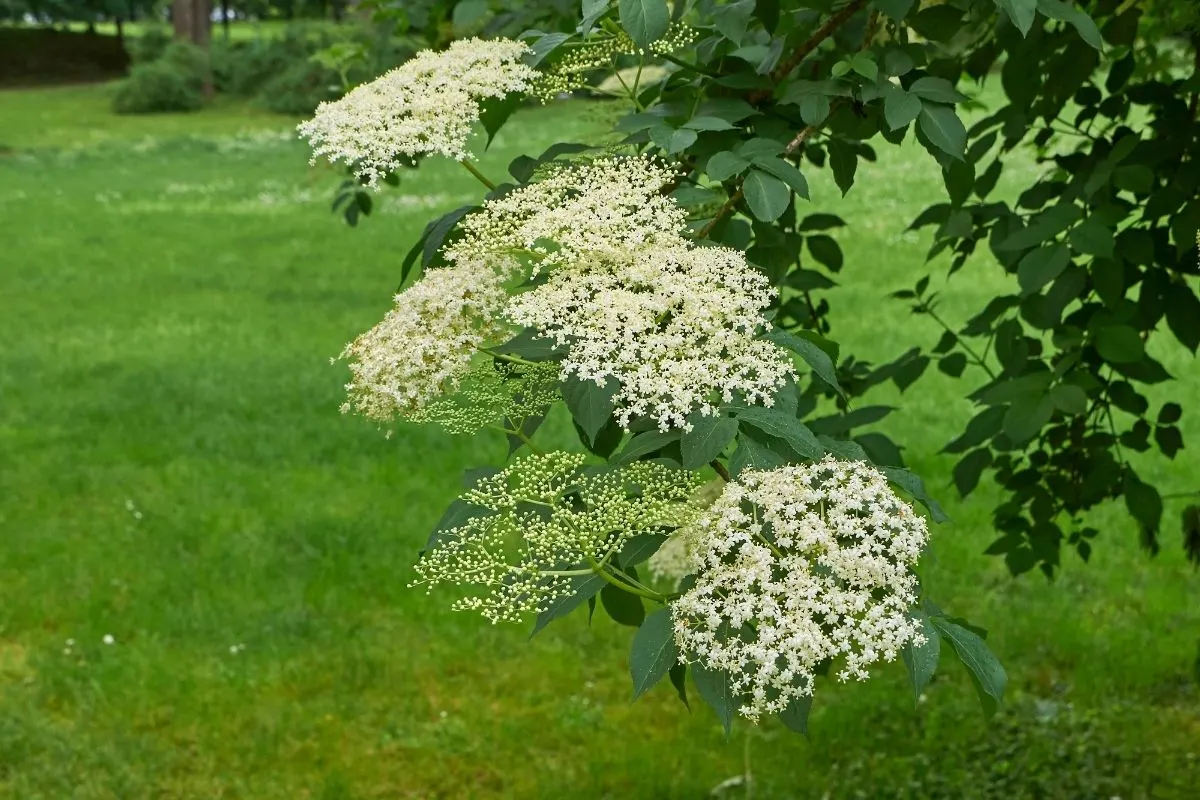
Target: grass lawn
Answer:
[[174, 474]]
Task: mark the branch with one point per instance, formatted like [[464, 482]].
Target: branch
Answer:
[[808, 45], [795, 144]]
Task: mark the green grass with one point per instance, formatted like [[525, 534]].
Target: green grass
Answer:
[[173, 472]]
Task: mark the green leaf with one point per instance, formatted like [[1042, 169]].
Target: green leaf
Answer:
[[708, 124], [959, 178], [438, 231], [816, 358], [1170, 413], [725, 165], [1027, 416], [896, 9], [1183, 315], [843, 160], [645, 21], [937, 90], [583, 588], [767, 196], [1143, 501], [795, 716], [864, 64], [592, 11], [786, 172], [672, 140], [1093, 238], [900, 108], [826, 250], [1076, 18], [495, 111], [590, 405], [814, 108], [752, 454], [969, 468], [820, 222], [944, 129], [640, 548], [912, 483], [1045, 226], [922, 660], [707, 439], [654, 651], [678, 675], [645, 443], [1041, 266], [987, 674], [1069, 398], [774, 422], [715, 689], [1119, 344], [625, 608], [1020, 13]]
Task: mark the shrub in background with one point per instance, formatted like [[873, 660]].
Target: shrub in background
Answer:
[[172, 82]]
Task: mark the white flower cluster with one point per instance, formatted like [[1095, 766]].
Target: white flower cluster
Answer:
[[424, 345], [674, 325], [798, 567], [579, 60], [425, 106], [607, 207], [544, 520]]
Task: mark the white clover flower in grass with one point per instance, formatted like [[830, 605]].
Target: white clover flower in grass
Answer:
[[424, 346], [545, 519], [605, 208], [796, 567], [674, 325], [426, 106]]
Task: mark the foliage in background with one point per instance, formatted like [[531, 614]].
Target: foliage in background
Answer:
[[174, 81]]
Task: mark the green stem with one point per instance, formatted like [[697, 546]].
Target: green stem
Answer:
[[509, 358], [691, 67], [598, 568], [474, 171], [966, 347]]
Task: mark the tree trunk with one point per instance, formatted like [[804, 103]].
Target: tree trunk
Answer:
[[120, 31], [225, 18], [192, 20]]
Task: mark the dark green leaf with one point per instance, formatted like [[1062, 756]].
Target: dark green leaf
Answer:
[[896, 9], [959, 178], [678, 675], [590, 405], [645, 21], [900, 108], [786, 172], [1183, 315], [715, 689], [969, 468], [1092, 238], [1069, 398], [944, 129], [985, 670], [654, 652], [1027, 416], [795, 716], [922, 660], [843, 160], [527, 344], [1074, 16], [826, 250], [707, 439], [528, 428], [817, 359], [1119, 344], [623, 607], [1045, 226], [1169, 440], [774, 422], [767, 196], [814, 108], [646, 443], [583, 589], [912, 483], [753, 454], [725, 165], [439, 230], [820, 222], [1041, 266], [1020, 13], [953, 364], [1170, 413], [1143, 501], [981, 428], [937, 90], [495, 111], [640, 548], [459, 513]]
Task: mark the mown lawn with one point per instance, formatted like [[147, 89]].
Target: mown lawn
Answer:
[[174, 474]]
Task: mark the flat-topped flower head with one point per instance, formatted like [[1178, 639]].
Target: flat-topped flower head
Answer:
[[544, 520], [426, 106], [674, 325], [798, 567], [424, 346], [605, 208]]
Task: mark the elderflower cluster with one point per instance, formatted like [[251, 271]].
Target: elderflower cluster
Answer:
[[797, 567], [543, 521], [674, 325], [490, 391], [424, 346], [426, 106], [607, 207], [571, 70]]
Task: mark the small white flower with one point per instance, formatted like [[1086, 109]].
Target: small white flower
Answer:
[[70, 642], [108, 639]]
